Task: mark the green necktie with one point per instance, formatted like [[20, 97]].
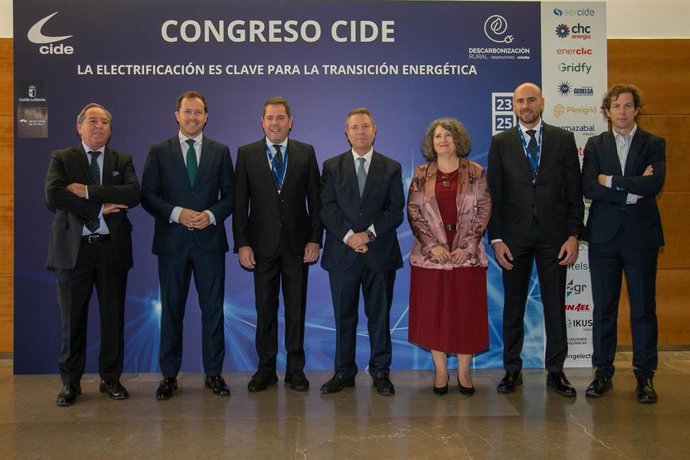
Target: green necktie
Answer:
[[191, 161]]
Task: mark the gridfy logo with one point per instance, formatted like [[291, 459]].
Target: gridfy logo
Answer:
[[572, 288], [495, 28], [49, 44]]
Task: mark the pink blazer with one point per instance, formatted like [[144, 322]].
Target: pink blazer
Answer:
[[474, 209]]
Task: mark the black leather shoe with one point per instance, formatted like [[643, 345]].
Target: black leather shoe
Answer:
[[559, 382], [261, 381], [467, 391], [337, 383], [297, 381], [440, 391], [645, 391], [509, 382], [68, 394], [599, 386], [114, 390], [218, 385], [383, 385], [165, 388]]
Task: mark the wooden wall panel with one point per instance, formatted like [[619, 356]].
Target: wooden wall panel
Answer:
[[6, 196], [676, 130], [659, 67], [672, 294], [675, 218]]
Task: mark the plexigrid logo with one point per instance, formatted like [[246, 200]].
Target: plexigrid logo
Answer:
[[47, 42]]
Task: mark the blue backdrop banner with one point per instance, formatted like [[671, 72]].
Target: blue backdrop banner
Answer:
[[409, 62]]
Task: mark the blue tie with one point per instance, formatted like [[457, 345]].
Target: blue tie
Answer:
[[94, 224], [532, 147], [361, 175]]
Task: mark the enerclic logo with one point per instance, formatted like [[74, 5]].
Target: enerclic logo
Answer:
[[47, 42]]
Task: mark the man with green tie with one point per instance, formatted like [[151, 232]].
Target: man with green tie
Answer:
[[187, 187]]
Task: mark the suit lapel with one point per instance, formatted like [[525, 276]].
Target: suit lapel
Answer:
[[348, 166], [292, 152], [634, 150], [178, 159], [522, 161], [82, 160], [108, 167], [611, 152]]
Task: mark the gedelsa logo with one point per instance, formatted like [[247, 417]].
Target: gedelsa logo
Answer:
[[36, 35]]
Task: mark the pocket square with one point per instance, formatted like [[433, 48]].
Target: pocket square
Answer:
[[116, 173]]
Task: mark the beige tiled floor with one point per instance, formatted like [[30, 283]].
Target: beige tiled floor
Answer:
[[532, 423]]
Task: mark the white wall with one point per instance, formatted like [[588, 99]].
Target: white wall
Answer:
[[625, 18]]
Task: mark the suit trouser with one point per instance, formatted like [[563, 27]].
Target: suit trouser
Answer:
[[96, 265], [175, 272], [607, 264], [269, 273], [377, 288], [552, 279]]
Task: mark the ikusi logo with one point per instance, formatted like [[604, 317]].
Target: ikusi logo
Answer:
[[47, 42]]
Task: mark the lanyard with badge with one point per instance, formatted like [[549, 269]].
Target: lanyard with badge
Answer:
[[526, 148], [278, 175]]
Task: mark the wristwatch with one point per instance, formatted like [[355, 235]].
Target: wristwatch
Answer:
[[370, 235]]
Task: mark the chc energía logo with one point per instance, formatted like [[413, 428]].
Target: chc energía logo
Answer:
[[495, 28], [36, 35]]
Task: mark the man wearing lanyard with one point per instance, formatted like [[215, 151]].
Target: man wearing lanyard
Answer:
[[89, 187], [277, 235], [534, 177]]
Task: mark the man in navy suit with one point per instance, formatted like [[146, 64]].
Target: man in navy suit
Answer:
[[362, 204], [534, 177], [187, 187], [277, 234], [622, 173], [89, 187]]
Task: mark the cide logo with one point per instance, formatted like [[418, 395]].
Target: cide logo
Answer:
[[36, 35]]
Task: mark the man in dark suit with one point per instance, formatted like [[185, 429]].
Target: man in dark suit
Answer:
[[362, 204], [534, 176], [623, 172], [188, 187], [278, 234], [89, 187]]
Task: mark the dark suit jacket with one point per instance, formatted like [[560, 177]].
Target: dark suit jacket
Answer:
[[343, 209], [120, 185], [555, 196], [641, 223], [261, 214], [165, 185]]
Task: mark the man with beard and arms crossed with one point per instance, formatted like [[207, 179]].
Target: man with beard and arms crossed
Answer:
[[277, 234], [537, 212], [187, 187], [362, 204]]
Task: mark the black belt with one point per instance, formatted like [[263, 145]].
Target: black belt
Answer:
[[451, 227], [95, 238]]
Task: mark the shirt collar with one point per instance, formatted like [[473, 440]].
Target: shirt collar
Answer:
[[620, 136], [183, 138], [270, 145], [367, 155], [525, 128], [88, 149]]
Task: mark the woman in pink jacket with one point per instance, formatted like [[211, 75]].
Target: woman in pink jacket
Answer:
[[448, 207]]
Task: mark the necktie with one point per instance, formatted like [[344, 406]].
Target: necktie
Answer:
[[191, 161], [278, 164], [623, 151], [361, 175], [532, 147], [93, 224]]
